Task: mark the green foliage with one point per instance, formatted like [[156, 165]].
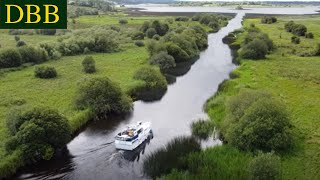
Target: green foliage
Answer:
[[265, 166], [21, 43], [155, 47], [88, 64], [177, 53], [137, 35], [103, 97], [163, 60], [156, 37], [161, 28], [10, 58], [295, 40], [181, 18], [123, 21], [32, 54], [52, 51], [260, 36], [152, 84], [212, 20], [139, 43], [47, 31], [268, 20], [256, 49], [309, 35], [145, 26], [202, 128], [163, 160], [249, 132], [17, 38], [219, 162], [37, 133], [45, 72], [151, 32], [296, 29]]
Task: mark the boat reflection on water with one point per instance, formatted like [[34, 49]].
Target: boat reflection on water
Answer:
[[134, 155]]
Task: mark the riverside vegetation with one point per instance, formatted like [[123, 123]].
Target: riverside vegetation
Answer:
[[54, 77], [267, 112]]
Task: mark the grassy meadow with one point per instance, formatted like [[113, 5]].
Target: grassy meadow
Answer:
[[294, 80]]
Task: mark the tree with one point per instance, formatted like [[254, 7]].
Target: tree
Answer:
[[37, 132], [265, 166], [256, 49], [103, 97], [88, 64], [289, 26], [163, 60], [151, 32]]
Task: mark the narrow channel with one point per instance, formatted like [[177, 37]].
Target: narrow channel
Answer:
[[92, 155]]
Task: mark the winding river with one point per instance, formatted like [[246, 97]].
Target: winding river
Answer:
[[92, 155]]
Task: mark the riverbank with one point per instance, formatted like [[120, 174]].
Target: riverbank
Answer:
[[288, 77]]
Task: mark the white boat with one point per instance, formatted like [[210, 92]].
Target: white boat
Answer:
[[131, 137]]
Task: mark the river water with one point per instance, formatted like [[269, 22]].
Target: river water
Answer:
[[92, 155]]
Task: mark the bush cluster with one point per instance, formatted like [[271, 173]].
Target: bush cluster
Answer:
[[45, 72], [151, 84], [181, 18], [249, 113], [214, 21], [256, 45], [37, 133], [268, 20], [137, 35], [123, 21], [139, 43], [102, 97], [295, 40], [10, 58], [47, 31], [163, 160], [88, 64], [296, 29], [151, 32], [160, 27], [163, 60], [309, 35]]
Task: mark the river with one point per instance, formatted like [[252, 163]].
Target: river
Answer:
[[92, 155]]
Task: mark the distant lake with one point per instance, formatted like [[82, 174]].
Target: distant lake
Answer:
[[280, 10]]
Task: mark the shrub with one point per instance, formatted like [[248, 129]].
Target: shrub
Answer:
[[32, 54], [202, 128], [48, 31], [45, 72], [37, 132], [261, 36], [161, 28], [299, 29], [256, 49], [295, 40], [156, 37], [317, 50], [17, 38], [152, 84], [151, 32], [163, 160], [103, 97], [88, 64], [163, 60], [265, 167], [268, 20], [250, 133], [177, 53], [154, 47], [309, 35], [181, 18], [137, 36], [21, 43], [123, 21], [139, 43], [289, 26], [51, 50], [10, 58]]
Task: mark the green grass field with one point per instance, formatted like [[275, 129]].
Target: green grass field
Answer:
[[292, 79]]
